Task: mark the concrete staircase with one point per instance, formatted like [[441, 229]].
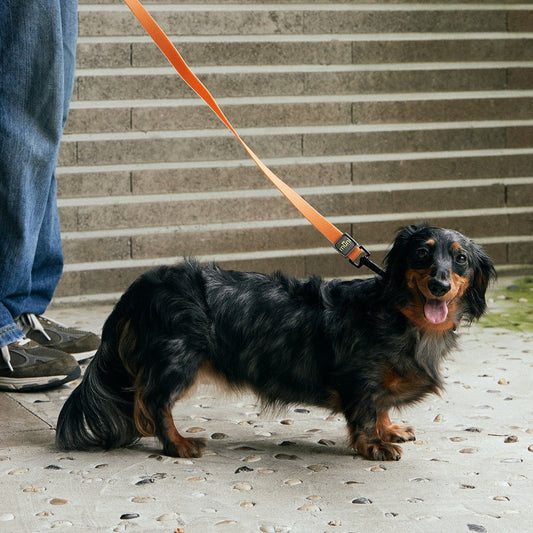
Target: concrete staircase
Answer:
[[379, 114]]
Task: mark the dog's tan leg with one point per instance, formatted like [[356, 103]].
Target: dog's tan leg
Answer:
[[378, 444], [173, 443], [389, 432], [153, 415]]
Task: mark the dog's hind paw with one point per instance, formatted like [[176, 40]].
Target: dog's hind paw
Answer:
[[186, 448]]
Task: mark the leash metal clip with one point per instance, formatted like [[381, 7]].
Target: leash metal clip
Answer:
[[346, 244]]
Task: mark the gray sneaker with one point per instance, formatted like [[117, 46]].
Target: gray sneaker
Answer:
[[27, 366], [51, 334]]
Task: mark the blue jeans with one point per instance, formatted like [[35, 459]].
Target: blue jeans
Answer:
[[37, 61]]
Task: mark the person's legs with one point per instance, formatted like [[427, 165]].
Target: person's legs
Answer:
[[37, 62]]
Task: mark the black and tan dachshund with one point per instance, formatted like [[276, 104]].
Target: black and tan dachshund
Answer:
[[357, 347]]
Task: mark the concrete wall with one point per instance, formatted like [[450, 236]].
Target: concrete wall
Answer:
[[379, 114]]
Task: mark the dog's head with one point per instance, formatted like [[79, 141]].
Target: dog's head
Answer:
[[437, 277]]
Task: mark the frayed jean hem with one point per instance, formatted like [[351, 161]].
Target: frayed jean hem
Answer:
[[9, 334]]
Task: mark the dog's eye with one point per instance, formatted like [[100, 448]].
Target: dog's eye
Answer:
[[422, 253], [461, 258]]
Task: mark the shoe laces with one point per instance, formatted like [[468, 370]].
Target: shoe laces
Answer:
[[29, 321], [6, 356]]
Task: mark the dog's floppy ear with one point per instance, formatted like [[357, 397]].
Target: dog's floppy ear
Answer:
[[484, 274], [396, 256], [396, 264]]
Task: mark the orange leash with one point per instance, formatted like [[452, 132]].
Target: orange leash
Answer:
[[342, 242]]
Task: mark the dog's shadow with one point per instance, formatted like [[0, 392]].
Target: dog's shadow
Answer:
[[255, 453]]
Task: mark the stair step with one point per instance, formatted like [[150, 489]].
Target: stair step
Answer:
[[149, 115], [307, 80], [220, 19], [267, 204], [107, 180], [123, 52], [149, 243], [310, 141]]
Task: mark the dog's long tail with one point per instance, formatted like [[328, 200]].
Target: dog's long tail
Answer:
[[100, 411]]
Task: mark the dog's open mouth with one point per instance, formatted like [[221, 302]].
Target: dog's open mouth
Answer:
[[436, 311]]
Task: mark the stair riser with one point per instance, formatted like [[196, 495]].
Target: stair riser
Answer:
[[121, 55], [296, 21], [160, 181], [297, 237], [147, 118], [108, 152], [224, 210], [146, 86]]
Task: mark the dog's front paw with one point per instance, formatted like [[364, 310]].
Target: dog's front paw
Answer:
[[186, 448], [376, 449], [397, 433]]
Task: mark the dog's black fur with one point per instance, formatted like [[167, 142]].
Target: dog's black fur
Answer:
[[359, 347]]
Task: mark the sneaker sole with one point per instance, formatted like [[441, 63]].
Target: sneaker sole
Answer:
[[34, 384], [83, 356]]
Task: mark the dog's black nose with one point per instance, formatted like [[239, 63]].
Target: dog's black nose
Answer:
[[438, 287]]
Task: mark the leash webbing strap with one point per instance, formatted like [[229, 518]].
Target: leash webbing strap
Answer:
[[342, 242]]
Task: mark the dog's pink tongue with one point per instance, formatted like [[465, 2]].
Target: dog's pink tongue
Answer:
[[436, 311]]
